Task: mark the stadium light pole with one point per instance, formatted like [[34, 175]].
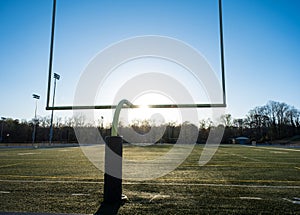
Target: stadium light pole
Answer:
[[36, 97], [56, 77], [102, 118], [2, 118]]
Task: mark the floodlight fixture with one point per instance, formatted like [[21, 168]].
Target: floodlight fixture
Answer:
[[56, 77], [36, 97], [102, 119], [1, 137]]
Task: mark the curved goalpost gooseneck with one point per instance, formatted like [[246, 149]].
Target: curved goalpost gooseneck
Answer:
[[114, 129]]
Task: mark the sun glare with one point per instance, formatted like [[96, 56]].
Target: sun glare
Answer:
[[157, 115], [144, 106]]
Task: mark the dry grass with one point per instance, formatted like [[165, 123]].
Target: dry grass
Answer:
[[238, 180]]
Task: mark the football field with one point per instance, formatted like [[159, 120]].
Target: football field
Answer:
[[237, 180]]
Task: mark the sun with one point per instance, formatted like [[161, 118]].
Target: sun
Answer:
[[143, 106], [145, 112]]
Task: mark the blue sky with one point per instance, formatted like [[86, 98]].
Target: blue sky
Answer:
[[262, 46]]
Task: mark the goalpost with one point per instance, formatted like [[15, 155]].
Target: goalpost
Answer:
[[113, 148]]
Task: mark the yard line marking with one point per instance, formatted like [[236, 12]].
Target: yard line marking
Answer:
[[292, 201], [4, 192], [47, 179], [159, 196], [249, 197], [80, 194], [241, 156], [163, 184], [275, 148], [219, 185], [9, 165], [28, 153], [229, 180], [253, 159], [247, 166], [278, 152], [34, 213], [52, 181], [65, 150]]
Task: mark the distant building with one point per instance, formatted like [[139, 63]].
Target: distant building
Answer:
[[242, 140]]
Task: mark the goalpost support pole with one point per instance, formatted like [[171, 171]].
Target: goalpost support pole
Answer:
[[113, 160], [113, 166]]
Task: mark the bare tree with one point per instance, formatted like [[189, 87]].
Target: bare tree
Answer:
[[227, 120], [78, 120]]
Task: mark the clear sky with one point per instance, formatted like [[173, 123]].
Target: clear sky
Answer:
[[262, 46]]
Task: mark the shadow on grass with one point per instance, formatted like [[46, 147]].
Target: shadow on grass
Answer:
[[108, 208]]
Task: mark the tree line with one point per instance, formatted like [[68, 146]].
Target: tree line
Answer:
[[273, 121], [267, 123]]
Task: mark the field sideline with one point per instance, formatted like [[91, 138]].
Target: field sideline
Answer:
[[238, 180]]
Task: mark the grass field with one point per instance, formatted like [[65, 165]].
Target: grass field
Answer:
[[238, 180]]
